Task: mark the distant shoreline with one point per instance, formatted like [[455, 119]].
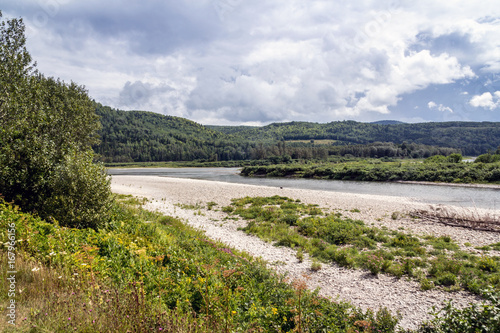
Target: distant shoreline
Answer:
[[492, 186]]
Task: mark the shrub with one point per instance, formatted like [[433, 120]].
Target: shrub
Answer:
[[81, 194], [426, 284], [475, 318], [374, 263], [487, 264], [447, 279], [315, 266]]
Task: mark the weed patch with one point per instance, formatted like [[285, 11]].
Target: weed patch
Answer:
[[437, 261]]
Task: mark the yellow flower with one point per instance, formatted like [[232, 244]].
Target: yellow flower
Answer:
[[275, 311], [233, 312]]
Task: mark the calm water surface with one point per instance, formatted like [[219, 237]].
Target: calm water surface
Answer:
[[432, 194]]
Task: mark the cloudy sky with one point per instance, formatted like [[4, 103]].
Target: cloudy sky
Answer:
[[256, 62]]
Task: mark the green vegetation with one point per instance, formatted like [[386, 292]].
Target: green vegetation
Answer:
[[470, 138], [137, 136], [332, 238], [434, 169], [475, 318], [141, 276], [47, 128]]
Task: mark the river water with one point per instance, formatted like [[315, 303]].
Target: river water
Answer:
[[433, 194]]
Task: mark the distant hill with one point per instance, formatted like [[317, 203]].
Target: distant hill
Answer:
[[387, 122], [472, 138], [230, 129], [146, 136], [141, 136]]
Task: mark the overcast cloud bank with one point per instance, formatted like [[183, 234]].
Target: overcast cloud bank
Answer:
[[240, 62]]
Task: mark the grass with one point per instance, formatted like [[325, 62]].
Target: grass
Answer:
[[434, 261], [158, 276]]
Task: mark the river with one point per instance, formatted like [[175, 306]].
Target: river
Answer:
[[426, 193]]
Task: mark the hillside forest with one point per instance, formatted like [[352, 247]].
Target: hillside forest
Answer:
[[139, 136]]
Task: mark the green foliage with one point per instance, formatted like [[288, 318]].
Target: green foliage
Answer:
[[135, 276], [455, 158], [350, 243], [488, 264], [487, 158], [138, 136], [47, 128], [472, 319], [436, 159], [81, 195], [470, 138], [315, 265], [443, 171]]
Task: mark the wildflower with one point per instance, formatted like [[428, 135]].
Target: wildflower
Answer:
[[35, 269], [274, 310], [69, 318]]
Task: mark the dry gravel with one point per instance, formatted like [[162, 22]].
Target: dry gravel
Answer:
[[167, 195]]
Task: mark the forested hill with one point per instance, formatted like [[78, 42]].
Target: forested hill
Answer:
[[472, 138], [146, 136], [139, 136]]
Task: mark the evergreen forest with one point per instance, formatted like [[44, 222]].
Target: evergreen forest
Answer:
[[139, 136]]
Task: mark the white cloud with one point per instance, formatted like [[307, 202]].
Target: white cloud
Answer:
[[486, 100], [433, 106], [233, 61]]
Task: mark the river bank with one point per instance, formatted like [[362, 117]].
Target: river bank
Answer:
[[170, 195]]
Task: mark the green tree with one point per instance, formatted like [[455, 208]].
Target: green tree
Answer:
[[47, 128], [455, 158]]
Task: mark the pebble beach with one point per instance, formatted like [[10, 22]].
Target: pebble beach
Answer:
[[361, 288]]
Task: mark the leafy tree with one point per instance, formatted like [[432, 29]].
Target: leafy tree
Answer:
[[487, 158], [47, 128], [436, 159], [455, 158]]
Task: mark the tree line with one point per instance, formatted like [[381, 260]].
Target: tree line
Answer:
[[139, 136]]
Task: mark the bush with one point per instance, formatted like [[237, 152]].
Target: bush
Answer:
[[455, 158], [81, 197], [436, 159], [447, 279], [487, 158], [475, 318]]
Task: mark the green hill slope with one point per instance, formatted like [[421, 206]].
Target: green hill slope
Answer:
[[139, 136], [472, 138], [146, 136]]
